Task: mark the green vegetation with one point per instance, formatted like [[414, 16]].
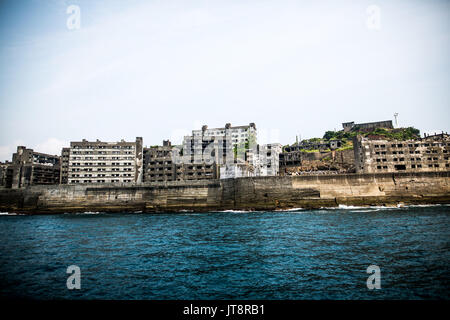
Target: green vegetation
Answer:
[[389, 134], [347, 146], [311, 150], [347, 137]]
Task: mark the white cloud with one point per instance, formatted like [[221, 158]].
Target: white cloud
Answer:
[[6, 151], [51, 146], [431, 131]]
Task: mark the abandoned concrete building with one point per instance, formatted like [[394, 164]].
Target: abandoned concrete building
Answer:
[[29, 168], [206, 150], [237, 134], [260, 163], [220, 144], [103, 162], [227, 152], [348, 126], [64, 176], [267, 162], [160, 166], [158, 163], [5, 174], [430, 153]]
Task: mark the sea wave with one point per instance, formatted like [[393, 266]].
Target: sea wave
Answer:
[[11, 214], [289, 210], [376, 208]]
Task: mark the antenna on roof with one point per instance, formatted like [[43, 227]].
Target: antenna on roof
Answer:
[[395, 116]]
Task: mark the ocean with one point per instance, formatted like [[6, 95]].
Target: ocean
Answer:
[[295, 254]]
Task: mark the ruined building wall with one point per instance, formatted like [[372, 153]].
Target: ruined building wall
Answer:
[[426, 154], [32, 168], [300, 162]]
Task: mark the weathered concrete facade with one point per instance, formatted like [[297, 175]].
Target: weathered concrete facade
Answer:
[[160, 166], [65, 156], [30, 168], [367, 126], [255, 193], [430, 153], [220, 146], [103, 162], [268, 160], [158, 163], [6, 173]]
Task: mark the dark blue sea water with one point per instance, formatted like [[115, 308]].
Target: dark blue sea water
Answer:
[[305, 254]]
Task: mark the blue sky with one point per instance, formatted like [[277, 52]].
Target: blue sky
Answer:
[[159, 69]]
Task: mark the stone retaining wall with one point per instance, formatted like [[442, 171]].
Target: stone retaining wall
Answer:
[[252, 193]]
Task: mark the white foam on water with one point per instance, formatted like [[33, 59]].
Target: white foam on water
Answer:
[[425, 205], [365, 208], [376, 208], [370, 210], [291, 209], [11, 214]]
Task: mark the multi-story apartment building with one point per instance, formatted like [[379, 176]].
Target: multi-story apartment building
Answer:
[[158, 163], [103, 162], [159, 166], [64, 176], [5, 174], [238, 134], [430, 153], [269, 164], [30, 168], [219, 145], [207, 150], [265, 161]]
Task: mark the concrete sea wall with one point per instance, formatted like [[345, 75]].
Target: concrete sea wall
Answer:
[[261, 193]]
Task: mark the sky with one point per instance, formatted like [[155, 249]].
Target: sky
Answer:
[[159, 69]]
